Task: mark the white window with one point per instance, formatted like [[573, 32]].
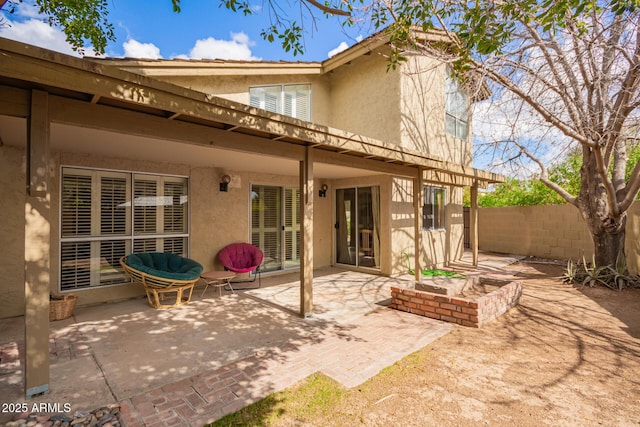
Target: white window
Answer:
[[290, 100], [457, 108], [98, 225], [433, 208]]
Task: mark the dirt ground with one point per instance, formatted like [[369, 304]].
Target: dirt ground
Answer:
[[565, 356]]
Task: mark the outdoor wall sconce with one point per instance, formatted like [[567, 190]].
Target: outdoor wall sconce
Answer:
[[224, 184], [323, 190]]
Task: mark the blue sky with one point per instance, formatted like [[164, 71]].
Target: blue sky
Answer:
[[200, 30]]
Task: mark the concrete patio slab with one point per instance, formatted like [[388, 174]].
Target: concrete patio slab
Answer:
[[195, 363]]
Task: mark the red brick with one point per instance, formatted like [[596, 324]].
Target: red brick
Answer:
[[473, 318], [432, 315], [403, 297], [417, 311], [403, 308], [178, 386], [473, 304], [441, 299], [461, 315], [411, 305], [195, 400], [451, 307], [427, 308], [417, 300], [185, 411], [460, 302], [449, 319], [470, 324], [473, 311], [409, 293], [443, 312]]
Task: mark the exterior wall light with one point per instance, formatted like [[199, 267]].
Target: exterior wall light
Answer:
[[224, 183], [323, 190]]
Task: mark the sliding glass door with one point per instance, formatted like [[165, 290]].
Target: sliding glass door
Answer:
[[358, 226], [275, 225]]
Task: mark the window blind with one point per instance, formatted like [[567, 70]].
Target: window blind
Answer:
[[290, 100], [98, 227]]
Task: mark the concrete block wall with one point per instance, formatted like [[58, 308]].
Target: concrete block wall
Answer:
[[552, 231]]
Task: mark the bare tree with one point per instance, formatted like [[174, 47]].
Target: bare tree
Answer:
[[574, 65]]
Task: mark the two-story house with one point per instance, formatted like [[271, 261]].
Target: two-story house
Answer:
[[339, 162]]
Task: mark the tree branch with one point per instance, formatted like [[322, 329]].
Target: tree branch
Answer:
[[329, 10], [544, 175]]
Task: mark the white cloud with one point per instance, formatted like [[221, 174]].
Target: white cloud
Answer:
[[341, 47], [31, 28], [238, 48], [39, 33], [135, 49]]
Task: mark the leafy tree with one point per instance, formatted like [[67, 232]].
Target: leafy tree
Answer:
[[532, 191]]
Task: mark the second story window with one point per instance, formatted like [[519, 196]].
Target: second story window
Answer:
[[457, 108], [290, 100]]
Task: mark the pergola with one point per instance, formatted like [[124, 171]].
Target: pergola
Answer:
[[46, 87]]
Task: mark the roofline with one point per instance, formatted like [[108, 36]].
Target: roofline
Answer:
[[188, 67], [53, 70]]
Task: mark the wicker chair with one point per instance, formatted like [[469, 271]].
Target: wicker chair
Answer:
[[162, 275]]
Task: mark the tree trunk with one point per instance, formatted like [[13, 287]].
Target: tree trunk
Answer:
[[609, 247], [607, 231]]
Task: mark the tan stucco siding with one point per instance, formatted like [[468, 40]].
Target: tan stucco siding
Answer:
[[365, 99], [236, 88], [12, 226], [439, 247], [216, 218], [423, 112]]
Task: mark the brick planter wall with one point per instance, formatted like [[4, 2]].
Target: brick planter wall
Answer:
[[463, 311]]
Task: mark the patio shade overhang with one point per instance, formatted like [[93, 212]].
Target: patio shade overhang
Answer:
[[86, 93]]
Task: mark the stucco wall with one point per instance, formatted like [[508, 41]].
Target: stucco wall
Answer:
[[438, 246], [12, 191], [422, 103], [216, 218], [554, 231], [365, 98], [236, 88]]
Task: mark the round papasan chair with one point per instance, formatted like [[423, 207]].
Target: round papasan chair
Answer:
[[163, 274]]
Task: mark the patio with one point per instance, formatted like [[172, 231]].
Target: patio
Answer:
[[195, 363]]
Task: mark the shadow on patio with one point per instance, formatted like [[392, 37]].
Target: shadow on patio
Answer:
[[197, 362]]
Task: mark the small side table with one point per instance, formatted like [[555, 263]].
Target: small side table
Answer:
[[219, 279]]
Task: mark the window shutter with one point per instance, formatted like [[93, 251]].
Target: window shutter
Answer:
[[175, 208], [113, 210], [144, 206], [75, 265], [76, 205], [271, 102], [303, 104], [110, 271], [145, 245], [266, 223], [288, 109], [175, 245]]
